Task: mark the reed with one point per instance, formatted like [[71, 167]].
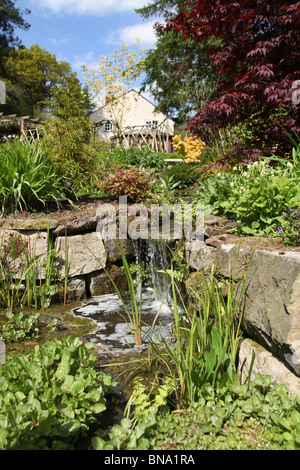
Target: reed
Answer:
[[204, 346], [20, 283], [133, 317]]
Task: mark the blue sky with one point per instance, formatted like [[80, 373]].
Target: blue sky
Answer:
[[79, 31]]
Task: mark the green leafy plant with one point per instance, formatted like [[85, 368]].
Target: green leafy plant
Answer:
[[50, 396], [255, 196], [17, 327], [257, 416], [182, 173], [28, 177], [206, 340], [290, 229]]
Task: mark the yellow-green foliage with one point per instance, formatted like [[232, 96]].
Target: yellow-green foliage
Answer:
[[116, 74], [191, 148]]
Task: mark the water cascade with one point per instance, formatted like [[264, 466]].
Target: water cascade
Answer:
[[112, 335]]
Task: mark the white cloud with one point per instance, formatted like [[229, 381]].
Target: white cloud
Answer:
[[63, 41], [143, 31], [128, 34], [88, 60], [89, 7]]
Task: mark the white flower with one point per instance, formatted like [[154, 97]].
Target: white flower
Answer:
[[289, 164], [232, 184]]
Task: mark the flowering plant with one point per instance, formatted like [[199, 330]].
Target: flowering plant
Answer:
[[191, 148]]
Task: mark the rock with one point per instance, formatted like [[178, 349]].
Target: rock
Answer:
[[99, 282], [76, 289], [219, 239], [201, 258], [232, 260], [267, 364], [78, 223], [272, 304], [27, 225], [86, 253], [213, 231], [210, 219], [24, 253], [113, 254]]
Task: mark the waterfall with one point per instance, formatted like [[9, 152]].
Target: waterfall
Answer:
[[152, 265], [112, 334]]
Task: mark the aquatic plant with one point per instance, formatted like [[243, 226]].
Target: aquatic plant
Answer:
[[50, 396]]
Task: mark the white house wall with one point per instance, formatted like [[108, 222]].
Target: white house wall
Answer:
[[130, 111]]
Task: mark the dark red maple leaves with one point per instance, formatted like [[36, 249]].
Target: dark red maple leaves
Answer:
[[258, 62]]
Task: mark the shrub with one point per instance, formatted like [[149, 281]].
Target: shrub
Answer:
[[28, 177], [255, 196], [135, 157], [128, 181], [191, 148], [181, 173], [68, 136]]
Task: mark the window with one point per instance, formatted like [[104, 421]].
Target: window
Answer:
[[108, 127], [151, 124]]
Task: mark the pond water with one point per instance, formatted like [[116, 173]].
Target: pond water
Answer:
[[112, 335]]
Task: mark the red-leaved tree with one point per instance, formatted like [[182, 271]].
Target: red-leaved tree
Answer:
[[257, 65]]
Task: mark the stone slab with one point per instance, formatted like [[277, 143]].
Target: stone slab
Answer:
[[86, 253]]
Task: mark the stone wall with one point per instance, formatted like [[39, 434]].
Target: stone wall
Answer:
[[271, 321]]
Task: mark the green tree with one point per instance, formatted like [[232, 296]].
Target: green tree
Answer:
[[179, 76], [10, 18], [37, 73], [178, 73], [68, 134]]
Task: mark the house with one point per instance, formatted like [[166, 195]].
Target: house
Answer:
[[131, 121]]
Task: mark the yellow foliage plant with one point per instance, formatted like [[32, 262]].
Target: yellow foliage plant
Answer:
[[191, 148]]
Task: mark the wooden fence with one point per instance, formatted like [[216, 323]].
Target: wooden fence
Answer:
[[22, 127]]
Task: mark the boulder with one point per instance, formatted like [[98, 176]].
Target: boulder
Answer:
[[80, 222], [272, 304], [217, 240], [86, 253], [24, 253], [200, 256], [113, 254], [76, 289], [28, 225], [232, 260], [100, 283], [266, 364]]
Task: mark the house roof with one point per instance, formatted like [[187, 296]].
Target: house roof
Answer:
[[126, 93]]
